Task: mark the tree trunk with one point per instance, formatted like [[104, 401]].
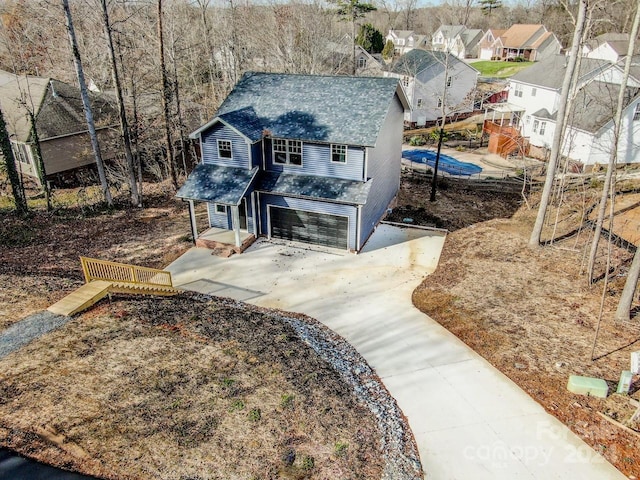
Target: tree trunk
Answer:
[[42, 174], [86, 104], [16, 186], [165, 103], [434, 180], [623, 313], [124, 126], [567, 86], [608, 189]]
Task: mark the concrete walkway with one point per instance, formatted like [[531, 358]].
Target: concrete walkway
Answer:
[[469, 420]]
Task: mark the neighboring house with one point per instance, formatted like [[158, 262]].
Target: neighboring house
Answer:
[[425, 75], [530, 42], [457, 40], [534, 97], [486, 45], [307, 158], [60, 123], [406, 40], [368, 64], [611, 47]]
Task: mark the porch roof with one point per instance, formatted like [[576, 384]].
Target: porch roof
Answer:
[[322, 188], [217, 184]]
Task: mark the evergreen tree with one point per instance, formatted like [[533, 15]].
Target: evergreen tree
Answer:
[[387, 51], [350, 11], [370, 38]]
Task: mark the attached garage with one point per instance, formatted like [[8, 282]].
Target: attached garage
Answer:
[[309, 227]]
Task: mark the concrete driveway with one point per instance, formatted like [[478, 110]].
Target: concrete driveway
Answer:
[[469, 420]]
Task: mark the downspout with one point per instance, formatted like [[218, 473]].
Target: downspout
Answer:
[[358, 227]]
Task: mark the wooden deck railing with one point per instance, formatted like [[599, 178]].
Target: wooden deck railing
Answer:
[[95, 269]]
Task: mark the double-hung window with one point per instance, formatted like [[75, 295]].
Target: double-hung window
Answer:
[[287, 152], [339, 153], [439, 102], [419, 103], [535, 126], [224, 149], [449, 80], [636, 114], [543, 126], [518, 90]]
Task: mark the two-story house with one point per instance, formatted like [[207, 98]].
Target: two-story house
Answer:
[[433, 80], [406, 40], [534, 94], [306, 158], [486, 45], [458, 40], [608, 46]]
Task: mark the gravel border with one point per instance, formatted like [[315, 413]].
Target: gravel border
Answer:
[[399, 449], [29, 328]]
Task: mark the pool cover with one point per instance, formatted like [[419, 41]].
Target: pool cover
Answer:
[[447, 164]]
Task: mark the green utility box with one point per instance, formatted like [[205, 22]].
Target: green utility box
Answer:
[[594, 387]]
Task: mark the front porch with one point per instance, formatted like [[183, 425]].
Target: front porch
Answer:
[[225, 240]]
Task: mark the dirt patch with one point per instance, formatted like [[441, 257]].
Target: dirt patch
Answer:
[[173, 388], [531, 313]]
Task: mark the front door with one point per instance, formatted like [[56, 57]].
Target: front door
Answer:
[[243, 214]]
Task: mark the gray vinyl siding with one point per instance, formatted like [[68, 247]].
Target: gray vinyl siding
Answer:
[[384, 168], [349, 211], [316, 160], [223, 220], [239, 147], [219, 220]]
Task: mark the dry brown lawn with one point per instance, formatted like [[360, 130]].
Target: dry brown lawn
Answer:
[[531, 313]]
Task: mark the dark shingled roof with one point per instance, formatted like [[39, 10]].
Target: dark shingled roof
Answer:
[[58, 107], [415, 61], [213, 183], [332, 109], [550, 71], [595, 105], [544, 113], [319, 188]]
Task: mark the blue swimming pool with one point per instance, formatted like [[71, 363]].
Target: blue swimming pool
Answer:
[[447, 164]]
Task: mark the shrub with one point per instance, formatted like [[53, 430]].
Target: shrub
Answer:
[[417, 141]]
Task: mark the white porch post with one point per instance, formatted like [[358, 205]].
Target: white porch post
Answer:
[[192, 218], [235, 221]]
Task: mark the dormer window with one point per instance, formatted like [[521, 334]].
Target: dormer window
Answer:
[[339, 153], [287, 152], [224, 149]]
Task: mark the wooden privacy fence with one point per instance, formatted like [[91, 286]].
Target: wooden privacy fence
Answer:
[[95, 269]]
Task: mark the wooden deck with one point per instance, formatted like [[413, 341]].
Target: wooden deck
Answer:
[[105, 277]]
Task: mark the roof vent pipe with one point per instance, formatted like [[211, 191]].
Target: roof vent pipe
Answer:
[[53, 90]]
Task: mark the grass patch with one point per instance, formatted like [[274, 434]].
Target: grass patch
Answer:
[[490, 68]]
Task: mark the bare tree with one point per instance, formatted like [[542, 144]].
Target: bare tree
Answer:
[[350, 11], [124, 125], [86, 104], [567, 86], [608, 188], [10, 162], [166, 99]]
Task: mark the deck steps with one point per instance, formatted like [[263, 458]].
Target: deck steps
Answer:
[[82, 298]]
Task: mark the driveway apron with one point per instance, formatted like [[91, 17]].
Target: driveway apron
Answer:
[[469, 420]]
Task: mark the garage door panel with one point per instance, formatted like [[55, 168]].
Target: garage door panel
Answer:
[[309, 227]]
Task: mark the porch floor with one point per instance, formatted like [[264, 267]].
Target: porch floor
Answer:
[[219, 238]]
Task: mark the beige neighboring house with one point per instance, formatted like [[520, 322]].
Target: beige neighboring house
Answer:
[[458, 40], [487, 50], [60, 123], [611, 47], [368, 64], [406, 40], [529, 42]]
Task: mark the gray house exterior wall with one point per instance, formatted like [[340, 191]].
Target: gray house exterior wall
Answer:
[[239, 147], [383, 166]]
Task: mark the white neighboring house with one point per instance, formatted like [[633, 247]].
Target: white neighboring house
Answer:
[[534, 93], [424, 75], [459, 40], [611, 47], [406, 40]]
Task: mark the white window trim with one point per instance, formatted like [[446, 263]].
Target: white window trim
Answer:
[[636, 114], [230, 148], [536, 124], [220, 209], [534, 90], [346, 150], [543, 128], [449, 81], [287, 153]]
